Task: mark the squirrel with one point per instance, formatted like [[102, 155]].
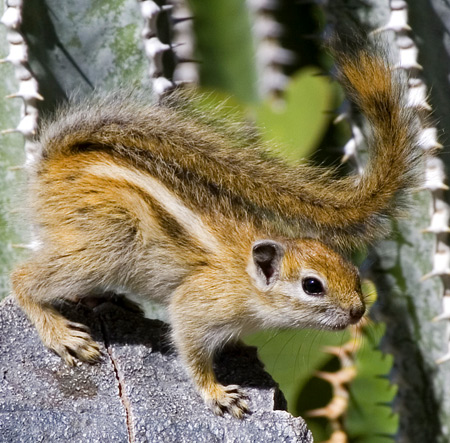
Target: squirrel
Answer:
[[165, 203]]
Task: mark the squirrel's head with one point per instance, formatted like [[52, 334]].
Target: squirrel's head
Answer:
[[304, 283]]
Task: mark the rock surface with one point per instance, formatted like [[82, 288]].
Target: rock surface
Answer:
[[138, 393]]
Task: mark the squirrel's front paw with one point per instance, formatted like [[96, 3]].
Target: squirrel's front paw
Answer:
[[227, 399]]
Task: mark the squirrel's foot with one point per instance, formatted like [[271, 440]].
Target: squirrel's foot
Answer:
[[70, 340], [227, 399]]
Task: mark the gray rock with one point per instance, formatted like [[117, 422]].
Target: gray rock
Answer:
[[140, 391]]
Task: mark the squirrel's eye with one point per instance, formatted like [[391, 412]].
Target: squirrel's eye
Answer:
[[313, 286]]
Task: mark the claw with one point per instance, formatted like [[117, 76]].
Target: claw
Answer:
[[72, 341], [228, 399]]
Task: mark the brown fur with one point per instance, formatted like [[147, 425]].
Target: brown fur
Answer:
[[163, 203], [203, 162]]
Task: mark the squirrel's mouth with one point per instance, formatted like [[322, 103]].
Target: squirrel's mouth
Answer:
[[340, 326], [336, 325], [337, 319]]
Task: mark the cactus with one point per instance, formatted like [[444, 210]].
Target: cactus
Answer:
[[15, 123], [417, 310], [252, 50], [409, 302]]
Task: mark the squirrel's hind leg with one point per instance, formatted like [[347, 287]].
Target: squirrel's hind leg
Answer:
[[68, 339]]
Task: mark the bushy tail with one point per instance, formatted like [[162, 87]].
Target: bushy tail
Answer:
[[395, 157]]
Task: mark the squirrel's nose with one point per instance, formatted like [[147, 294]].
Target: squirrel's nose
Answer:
[[356, 312]]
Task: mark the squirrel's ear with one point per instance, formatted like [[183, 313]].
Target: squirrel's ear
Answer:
[[264, 267]]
